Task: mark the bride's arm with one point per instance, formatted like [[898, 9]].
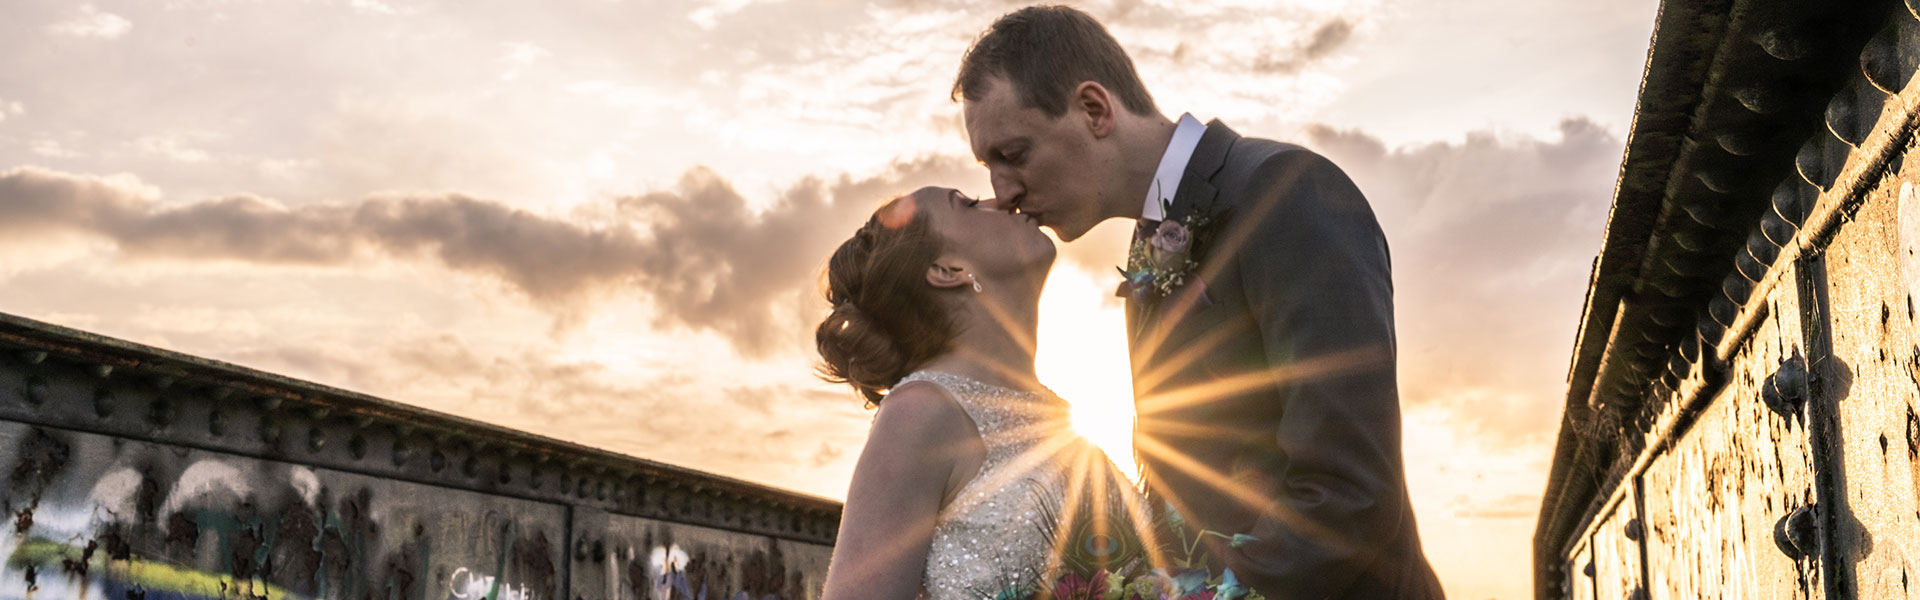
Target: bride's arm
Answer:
[[897, 489]]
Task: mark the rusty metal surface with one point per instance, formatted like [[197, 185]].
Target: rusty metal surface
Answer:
[[1715, 499], [1663, 388], [1578, 574], [1736, 130], [135, 473], [1616, 550], [1871, 382]]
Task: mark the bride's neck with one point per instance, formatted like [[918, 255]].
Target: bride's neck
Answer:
[[995, 345]]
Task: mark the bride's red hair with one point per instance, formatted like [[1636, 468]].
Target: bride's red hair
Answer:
[[886, 319]]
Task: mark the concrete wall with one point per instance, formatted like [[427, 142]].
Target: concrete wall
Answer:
[[133, 473]]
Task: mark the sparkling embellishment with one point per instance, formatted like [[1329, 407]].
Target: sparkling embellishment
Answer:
[[987, 540]]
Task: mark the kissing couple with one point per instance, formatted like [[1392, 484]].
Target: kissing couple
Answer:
[[1259, 305]]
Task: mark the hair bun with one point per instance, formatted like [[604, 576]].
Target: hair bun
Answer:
[[858, 351]]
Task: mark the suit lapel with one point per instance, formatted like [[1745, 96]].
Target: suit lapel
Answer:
[[1196, 195]]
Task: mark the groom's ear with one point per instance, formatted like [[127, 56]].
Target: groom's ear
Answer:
[[945, 275], [1092, 100]]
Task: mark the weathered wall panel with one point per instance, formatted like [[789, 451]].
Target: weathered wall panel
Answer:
[[97, 517], [1714, 498], [1579, 574], [1616, 550], [134, 473], [629, 558], [1870, 382]]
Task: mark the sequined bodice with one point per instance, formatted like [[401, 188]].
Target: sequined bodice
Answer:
[[990, 538]]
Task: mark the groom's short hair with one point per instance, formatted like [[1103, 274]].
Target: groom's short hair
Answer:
[[1046, 51]]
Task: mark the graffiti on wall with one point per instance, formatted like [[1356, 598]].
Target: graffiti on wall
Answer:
[[97, 517]]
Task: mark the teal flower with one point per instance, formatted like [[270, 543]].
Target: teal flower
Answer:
[[1229, 587]]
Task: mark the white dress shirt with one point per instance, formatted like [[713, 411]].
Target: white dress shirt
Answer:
[[1173, 164]]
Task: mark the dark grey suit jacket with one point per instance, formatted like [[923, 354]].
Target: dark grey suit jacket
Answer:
[[1272, 409]]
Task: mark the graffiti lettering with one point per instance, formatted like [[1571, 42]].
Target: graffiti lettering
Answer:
[[469, 585]]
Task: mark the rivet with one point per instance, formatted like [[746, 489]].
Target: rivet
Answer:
[[1759, 99], [221, 392], [160, 414], [35, 392], [1811, 163], [1782, 45], [1714, 182], [437, 461], [321, 412], [102, 403], [268, 403], [1798, 534], [363, 421], [162, 382], [401, 453], [269, 430], [357, 446], [1843, 119], [1741, 143], [216, 424], [102, 371], [33, 357], [1881, 63], [316, 439], [470, 467]]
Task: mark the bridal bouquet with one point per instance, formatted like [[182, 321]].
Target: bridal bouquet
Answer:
[[1104, 556]]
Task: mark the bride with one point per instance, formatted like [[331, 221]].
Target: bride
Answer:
[[971, 484]]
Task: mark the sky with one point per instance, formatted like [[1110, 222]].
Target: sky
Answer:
[[604, 221]]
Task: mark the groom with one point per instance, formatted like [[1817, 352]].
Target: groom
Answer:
[[1259, 307]]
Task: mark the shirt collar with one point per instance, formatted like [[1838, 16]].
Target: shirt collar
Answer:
[[1173, 164]]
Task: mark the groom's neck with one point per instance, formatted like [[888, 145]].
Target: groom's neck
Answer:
[[1143, 141]]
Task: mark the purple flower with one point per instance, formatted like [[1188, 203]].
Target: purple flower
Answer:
[[1171, 237], [1077, 587], [1168, 248]]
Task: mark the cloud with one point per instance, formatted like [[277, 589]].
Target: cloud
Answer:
[[717, 265], [1329, 36], [698, 251], [1492, 238], [93, 23]]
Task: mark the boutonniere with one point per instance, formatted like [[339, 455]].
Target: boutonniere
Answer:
[[1162, 262]]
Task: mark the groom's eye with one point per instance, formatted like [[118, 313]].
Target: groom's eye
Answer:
[[973, 203]]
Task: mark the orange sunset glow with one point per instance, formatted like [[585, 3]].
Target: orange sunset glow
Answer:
[[605, 221]]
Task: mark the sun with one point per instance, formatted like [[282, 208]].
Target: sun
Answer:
[[1083, 357]]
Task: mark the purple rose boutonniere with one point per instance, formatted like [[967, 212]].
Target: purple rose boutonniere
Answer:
[[1162, 263]]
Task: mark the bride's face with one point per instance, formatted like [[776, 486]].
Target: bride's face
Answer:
[[1000, 245]]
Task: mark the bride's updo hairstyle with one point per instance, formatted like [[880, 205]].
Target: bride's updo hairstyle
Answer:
[[886, 318]]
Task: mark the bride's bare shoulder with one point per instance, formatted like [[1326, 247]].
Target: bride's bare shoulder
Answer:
[[920, 408]]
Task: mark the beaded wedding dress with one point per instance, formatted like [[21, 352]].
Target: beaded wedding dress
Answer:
[[1000, 530]]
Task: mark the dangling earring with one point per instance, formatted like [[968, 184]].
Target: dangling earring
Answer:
[[976, 283]]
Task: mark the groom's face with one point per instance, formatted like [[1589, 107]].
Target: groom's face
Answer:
[[1044, 166]]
